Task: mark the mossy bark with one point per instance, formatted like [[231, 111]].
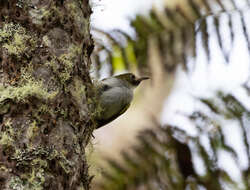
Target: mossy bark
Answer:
[[45, 121]]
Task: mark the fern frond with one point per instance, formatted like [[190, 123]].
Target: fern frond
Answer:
[[164, 155], [176, 30]]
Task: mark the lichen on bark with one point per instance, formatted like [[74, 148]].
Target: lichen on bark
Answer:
[[45, 120]]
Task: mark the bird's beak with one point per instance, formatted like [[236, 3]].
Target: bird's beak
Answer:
[[143, 78]]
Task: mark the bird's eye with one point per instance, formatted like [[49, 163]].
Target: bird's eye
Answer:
[[105, 87], [133, 77]]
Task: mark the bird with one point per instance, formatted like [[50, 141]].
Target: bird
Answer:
[[115, 95]]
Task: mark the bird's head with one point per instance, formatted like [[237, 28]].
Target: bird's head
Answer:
[[131, 79]]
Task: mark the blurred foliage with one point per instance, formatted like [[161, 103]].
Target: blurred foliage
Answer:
[[164, 156], [175, 30]]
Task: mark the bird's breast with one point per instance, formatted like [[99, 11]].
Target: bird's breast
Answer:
[[114, 100]]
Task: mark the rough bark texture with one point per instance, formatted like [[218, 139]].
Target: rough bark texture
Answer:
[[45, 122]]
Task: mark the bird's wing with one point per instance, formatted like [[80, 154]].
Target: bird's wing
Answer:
[[101, 123]]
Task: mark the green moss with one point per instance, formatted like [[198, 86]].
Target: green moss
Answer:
[[72, 6], [16, 40], [45, 13], [45, 109], [17, 46], [33, 130], [31, 88], [8, 125], [67, 61], [4, 108], [66, 166], [74, 10], [46, 41], [94, 103], [41, 15], [6, 139], [40, 162], [28, 183], [78, 91], [31, 157], [98, 109], [28, 86], [6, 31], [3, 168], [36, 177], [53, 64], [16, 184], [64, 62]]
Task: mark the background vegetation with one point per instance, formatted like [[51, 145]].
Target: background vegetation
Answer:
[[167, 157]]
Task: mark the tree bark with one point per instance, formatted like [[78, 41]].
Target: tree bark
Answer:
[[45, 121]]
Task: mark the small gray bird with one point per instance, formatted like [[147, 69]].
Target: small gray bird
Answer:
[[115, 95]]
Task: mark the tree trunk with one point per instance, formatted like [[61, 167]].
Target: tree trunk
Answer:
[[45, 122]]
